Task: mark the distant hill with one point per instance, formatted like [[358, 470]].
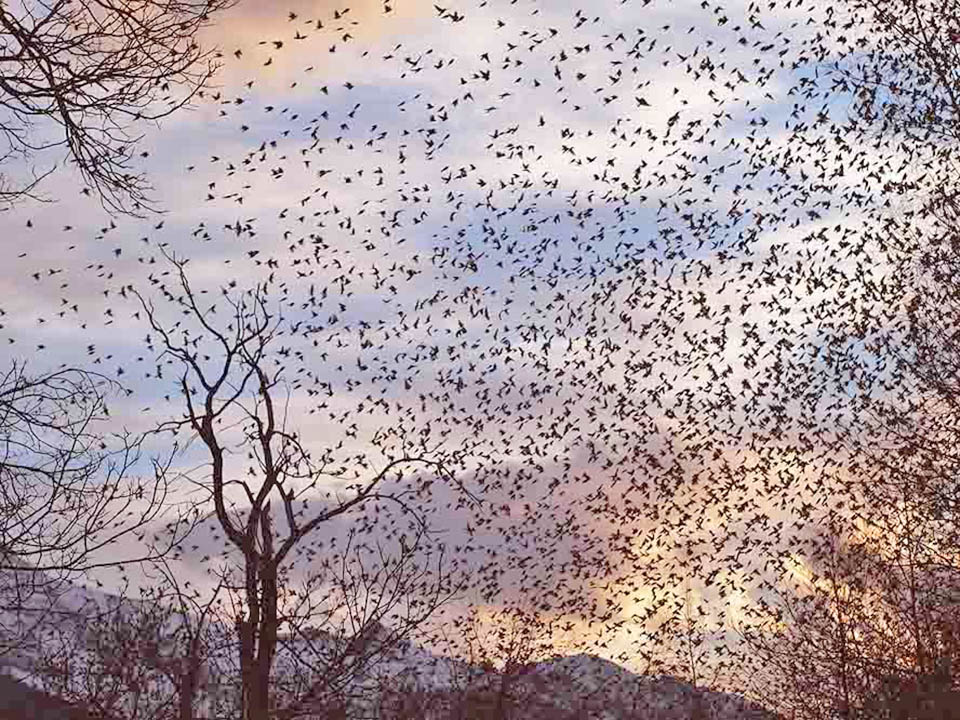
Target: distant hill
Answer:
[[410, 683], [578, 687]]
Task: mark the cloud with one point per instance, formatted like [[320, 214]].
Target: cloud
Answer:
[[255, 28]]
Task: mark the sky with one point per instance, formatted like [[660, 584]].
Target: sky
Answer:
[[562, 236]]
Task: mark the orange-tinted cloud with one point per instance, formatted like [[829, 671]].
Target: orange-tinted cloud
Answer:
[[276, 41]]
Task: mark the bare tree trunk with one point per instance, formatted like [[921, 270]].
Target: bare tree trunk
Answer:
[[257, 648], [258, 633], [189, 683], [502, 705], [185, 701], [268, 639], [245, 633]]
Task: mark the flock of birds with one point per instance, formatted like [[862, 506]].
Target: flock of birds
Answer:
[[584, 252]]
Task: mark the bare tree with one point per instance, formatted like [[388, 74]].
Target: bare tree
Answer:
[[867, 630], [156, 656], [68, 489], [352, 613], [85, 76], [501, 648], [231, 379], [190, 647]]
